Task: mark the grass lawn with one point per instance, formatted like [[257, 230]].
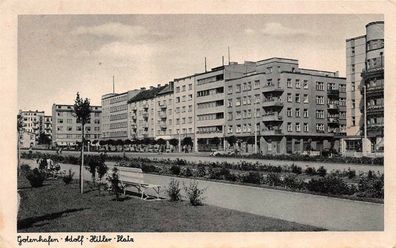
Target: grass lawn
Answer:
[[57, 207]]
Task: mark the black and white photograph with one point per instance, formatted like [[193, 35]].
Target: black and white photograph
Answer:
[[198, 123]]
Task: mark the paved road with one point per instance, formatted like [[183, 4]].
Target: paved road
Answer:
[[204, 157], [330, 213]]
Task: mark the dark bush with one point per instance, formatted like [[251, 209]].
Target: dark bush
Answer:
[[321, 171], [43, 164], [174, 190], [68, 178], [273, 179], [252, 177], [201, 171], [310, 171], [292, 182], [36, 177], [351, 173], [148, 168], [296, 169], [175, 169], [180, 161], [25, 168], [329, 185]]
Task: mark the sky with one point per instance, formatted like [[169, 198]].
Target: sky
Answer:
[[59, 55]]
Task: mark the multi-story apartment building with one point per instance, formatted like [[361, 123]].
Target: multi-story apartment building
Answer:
[[115, 115], [164, 112], [142, 113], [210, 106], [33, 124], [184, 108], [289, 109], [365, 90], [66, 131]]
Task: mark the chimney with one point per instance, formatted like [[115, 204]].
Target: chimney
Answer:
[[158, 85], [142, 88], [151, 87]]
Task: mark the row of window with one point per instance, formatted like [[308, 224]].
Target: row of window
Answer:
[[118, 117], [183, 109], [71, 121], [78, 128], [208, 117], [210, 104], [183, 88], [183, 98]]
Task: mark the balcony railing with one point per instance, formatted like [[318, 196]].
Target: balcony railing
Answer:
[[272, 102], [333, 92], [375, 125], [332, 106], [274, 116]]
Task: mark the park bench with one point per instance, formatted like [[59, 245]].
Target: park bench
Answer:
[[133, 177]]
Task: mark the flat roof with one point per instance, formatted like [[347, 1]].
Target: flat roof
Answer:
[[355, 38]]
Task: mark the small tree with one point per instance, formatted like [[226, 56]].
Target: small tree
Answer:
[[231, 140], [187, 141], [194, 194], [174, 142], [174, 190], [82, 111], [44, 139]]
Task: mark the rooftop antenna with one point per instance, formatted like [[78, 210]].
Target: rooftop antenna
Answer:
[[229, 62], [205, 65], [113, 85]]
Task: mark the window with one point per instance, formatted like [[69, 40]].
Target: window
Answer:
[[298, 127], [183, 88], [190, 97], [229, 91], [229, 129], [249, 100], [320, 100], [289, 83], [238, 88], [177, 109], [189, 108], [257, 98], [305, 84], [289, 127], [289, 112], [230, 116], [238, 101], [306, 98], [184, 109], [320, 86], [69, 128], [298, 86], [298, 112], [257, 84], [269, 82], [319, 127], [190, 87], [229, 103], [305, 113], [289, 97], [244, 100], [353, 104], [269, 69], [306, 129], [238, 115], [352, 86], [177, 99], [184, 98], [60, 120], [177, 89], [353, 121], [353, 68], [297, 98], [319, 114]]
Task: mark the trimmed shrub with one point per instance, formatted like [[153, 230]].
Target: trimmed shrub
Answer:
[[330, 185], [273, 179], [310, 171], [36, 177], [296, 169], [187, 172], [175, 169], [174, 190], [351, 173], [321, 171], [201, 171], [252, 177], [68, 178], [194, 194], [148, 168]]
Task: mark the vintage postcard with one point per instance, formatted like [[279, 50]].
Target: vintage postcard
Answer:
[[212, 124]]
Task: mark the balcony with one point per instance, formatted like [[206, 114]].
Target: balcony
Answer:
[[333, 121], [375, 109], [162, 115], [162, 125], [373, 90], [271, 132], [333, 93], [273, 102], [332, 106], [272, 88], [269, 117]]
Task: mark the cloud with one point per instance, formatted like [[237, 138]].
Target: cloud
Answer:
[[280, 31], [119, 31], [125, 50]]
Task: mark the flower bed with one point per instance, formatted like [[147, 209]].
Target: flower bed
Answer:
[[347, 183]]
